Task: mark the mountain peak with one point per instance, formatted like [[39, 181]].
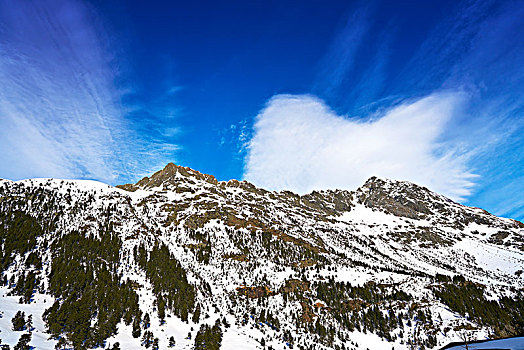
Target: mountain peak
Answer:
[[401, 198], [171, 175]]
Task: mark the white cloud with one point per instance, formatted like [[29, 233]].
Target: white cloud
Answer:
[[300, 144]]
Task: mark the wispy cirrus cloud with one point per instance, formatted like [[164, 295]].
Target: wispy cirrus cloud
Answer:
[[60, 107], [340, 58]]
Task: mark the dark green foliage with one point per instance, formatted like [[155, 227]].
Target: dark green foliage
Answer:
[[18, 233], [29, 323], [442, 278], [277, 250], [61, 344], [169, 280], [77, 258], [116, 346], [155, 344], [84, 279], [338, 293], [147, 321], [147, 339], [25, 286], [196, 315], [33, 260], [459, 279], [203, 250], [18, 321], [161, 304], [208, 338], [23, 342], [359, 307], [505, 316], [204, 253], [172, 342], [136, 328]]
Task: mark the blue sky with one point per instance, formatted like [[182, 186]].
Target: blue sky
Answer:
[[298, 95]]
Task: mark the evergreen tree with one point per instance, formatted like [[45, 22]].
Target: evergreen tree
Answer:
[[18, 321], [23, 342], [155, 344], [161, 309], [196, 314], [136, 328], [147, 321], [147, 339], [29, 323], [168, 279], [172, 342], [208, 338], [84, 278]]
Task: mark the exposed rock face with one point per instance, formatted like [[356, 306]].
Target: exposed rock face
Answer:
[[171, 177], [400, 199], [406, 199], [294, 285], [255, 292]]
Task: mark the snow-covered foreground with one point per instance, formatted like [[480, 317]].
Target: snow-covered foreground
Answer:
[[506, 344], [8, 308]]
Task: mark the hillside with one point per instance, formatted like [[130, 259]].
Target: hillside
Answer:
[[180, 260]]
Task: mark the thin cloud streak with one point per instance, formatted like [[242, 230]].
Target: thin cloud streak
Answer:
[[341, 56]]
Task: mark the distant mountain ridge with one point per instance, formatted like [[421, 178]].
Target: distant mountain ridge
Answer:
[[209, 263]]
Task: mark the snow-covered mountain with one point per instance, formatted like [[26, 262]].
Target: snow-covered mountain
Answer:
[[181, 260]]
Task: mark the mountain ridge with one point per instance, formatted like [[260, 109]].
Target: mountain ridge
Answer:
[[377, 267], [166, 175]]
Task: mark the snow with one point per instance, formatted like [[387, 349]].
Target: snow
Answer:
[[360, 235], [9, 306], [361, 214], [61, 185], [492, 257], [507, 344]]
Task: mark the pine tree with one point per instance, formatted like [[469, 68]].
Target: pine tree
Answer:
[[147, 339], [29, 323], [23, 343], [196, 314], [136, 328], [172, 342], [155, 344], [147, 321], [161, 309], [18, 321]]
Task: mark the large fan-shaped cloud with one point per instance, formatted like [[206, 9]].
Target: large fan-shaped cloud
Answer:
[[300, 144]]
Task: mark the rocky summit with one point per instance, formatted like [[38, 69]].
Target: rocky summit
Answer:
[[180, 260]]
